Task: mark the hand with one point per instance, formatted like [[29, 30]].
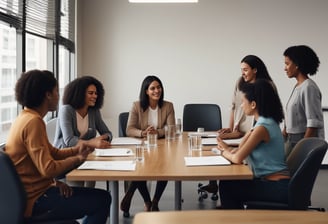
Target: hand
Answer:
[[221, 144], [83, 150], [224, 130], [65, 190], [100, 142], [149, 129]]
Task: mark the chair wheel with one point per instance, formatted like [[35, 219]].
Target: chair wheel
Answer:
[[126, 214], [204, 195], [200, 198], [214, 197]]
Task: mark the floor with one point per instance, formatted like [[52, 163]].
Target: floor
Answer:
[[190, 197]]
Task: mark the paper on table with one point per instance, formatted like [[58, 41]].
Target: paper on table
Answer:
[[206, 161], [108, 165], [212, 141], [114, 152], [126, 141], [206, 134]]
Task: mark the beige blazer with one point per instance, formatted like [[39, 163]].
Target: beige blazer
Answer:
[[138, 119]]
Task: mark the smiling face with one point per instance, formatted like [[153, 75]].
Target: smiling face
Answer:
[[290, 68], [248, 73], [91, 96], [154, 91]]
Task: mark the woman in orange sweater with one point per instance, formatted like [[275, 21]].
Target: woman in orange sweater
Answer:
[[38, 162]]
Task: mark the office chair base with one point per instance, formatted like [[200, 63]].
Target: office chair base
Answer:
[[204, 190]]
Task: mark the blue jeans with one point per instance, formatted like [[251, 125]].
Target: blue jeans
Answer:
[[233, 193], [91, 203]]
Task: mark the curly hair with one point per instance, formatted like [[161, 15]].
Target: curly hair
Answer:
[[266, 97], [74, 93], [143, 97], [32, 86], [304, 58]]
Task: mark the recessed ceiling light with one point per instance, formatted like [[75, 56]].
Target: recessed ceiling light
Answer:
[[163, 1]]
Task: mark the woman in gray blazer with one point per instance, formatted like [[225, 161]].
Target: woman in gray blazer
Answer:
[[79, 118], [150, 114]]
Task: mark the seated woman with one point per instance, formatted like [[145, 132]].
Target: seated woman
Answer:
[[150, 114], [79, 118], [38, 162], [262, 147]]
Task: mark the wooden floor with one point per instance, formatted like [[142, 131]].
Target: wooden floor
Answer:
[[190, 196]]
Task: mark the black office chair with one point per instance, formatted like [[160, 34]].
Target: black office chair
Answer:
[[122, 123], [207, 116], [304, 163], [13, 196]]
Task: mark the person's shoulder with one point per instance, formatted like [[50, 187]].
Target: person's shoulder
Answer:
[[167, 104]]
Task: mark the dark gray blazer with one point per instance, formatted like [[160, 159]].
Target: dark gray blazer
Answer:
[[67, 134]]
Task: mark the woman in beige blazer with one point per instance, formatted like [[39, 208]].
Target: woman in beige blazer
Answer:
[[150, 114]]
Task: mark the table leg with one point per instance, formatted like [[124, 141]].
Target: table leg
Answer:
[[114, 207], [177, 195]]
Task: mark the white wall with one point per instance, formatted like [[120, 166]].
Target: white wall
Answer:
[[194, 48]]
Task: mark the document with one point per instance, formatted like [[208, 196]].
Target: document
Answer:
[[206, 134], [126, 141], [206, 161], [114, 152], [212, 141], [109, 165]]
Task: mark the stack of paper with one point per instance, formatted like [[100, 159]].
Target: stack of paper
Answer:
[[108, 165], [206, 134], [213, 141], [126, 141], [206, 161]]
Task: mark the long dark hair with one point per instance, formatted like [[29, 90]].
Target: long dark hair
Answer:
[[143, 97], [255, 62]]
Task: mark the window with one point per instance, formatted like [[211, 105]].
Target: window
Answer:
[[46, 47]]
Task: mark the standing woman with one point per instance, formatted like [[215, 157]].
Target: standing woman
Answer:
[[38, 163], [304, 117], [150, 114], [79, 118], [262, 147], [252, 68]]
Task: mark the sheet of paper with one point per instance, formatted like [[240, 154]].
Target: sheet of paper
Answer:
[[212, 141], [206, 134], [126, 141], [108, 165], [233, 141], [206, 161], [114, 152]]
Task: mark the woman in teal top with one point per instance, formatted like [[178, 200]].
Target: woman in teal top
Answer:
[[262, 147]]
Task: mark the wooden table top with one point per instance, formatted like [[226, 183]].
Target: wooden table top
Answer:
[[232, 217], [166, 162]]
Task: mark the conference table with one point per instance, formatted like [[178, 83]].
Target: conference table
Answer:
[[232, 217], [164, 162]]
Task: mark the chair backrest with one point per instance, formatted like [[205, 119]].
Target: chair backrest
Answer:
[[304, 163], [12, 193], [122, 123], [207, 116], [51, 129]]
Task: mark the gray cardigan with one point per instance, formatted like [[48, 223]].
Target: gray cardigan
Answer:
[[67, 134]]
